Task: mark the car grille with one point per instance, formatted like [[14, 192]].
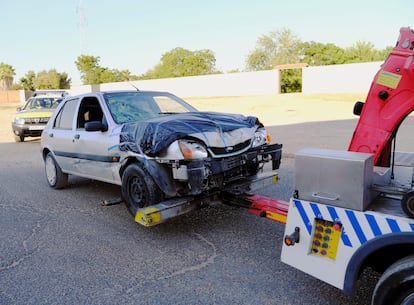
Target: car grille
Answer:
[[230, 149], [36, 120]]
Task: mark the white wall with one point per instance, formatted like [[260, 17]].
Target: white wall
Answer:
[[232, 84], [349, 78]]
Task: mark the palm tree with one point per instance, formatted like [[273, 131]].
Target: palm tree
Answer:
[[6, 76]]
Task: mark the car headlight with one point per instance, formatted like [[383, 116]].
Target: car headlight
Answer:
[[192, 149], [18, 121], [261, 136]]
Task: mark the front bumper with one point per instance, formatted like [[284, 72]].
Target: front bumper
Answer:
[[28, 130]]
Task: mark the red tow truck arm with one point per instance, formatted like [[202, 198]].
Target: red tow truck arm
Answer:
[[390, 100]]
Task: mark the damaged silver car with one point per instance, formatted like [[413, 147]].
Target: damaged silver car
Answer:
[[154, 145]]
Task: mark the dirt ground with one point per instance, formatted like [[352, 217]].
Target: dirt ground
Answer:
[[272, 110]]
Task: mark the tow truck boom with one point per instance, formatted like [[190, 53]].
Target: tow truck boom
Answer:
[[390, 100]]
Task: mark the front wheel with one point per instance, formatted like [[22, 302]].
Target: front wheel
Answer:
[[54, 175], [138, 188], [396, 285], [19, 138]]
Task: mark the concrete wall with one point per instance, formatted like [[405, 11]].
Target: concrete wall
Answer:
[[349, 78], [10, 96], [232, 84]]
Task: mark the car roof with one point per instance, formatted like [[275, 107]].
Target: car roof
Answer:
[[116, 91], [50, 93]]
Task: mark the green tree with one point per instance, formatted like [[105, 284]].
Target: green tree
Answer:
[[362, 51], [92, 73], [383, 54], [88, 66], [319, 54], [181, 62], [279, 47], [27, 81], [6, 76], [291, 80], [51, 80]]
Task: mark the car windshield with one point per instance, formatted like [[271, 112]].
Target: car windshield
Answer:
[[42, 103], [136, 106]]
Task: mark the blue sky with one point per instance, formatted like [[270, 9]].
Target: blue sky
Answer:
[[133, 34]]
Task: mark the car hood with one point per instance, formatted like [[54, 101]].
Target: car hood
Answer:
[[213, 129], [34, 113]]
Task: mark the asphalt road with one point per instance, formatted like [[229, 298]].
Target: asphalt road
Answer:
[[63, 247]]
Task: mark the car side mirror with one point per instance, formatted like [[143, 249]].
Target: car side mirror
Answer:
[[95, 126]]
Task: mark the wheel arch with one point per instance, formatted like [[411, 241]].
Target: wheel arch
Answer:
[[378, 253], [45, 151], [160, 173]]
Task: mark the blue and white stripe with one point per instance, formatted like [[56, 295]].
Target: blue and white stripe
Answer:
[[358, 227]]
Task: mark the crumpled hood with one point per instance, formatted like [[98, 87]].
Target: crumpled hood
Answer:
[[213, 128]]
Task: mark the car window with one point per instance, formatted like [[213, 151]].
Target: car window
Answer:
[[64, 119], [136, 106], [42, 103], [167, 105], [89, 110]]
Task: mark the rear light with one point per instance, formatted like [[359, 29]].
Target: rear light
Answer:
[[292, 239]]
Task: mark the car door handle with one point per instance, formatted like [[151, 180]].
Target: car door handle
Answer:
[[50, 135], [77, 136]]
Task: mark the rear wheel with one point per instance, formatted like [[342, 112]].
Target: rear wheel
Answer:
[[396, 285], [138, 188], [54, 175]]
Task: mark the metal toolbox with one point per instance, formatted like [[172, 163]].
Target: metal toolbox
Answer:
[[338, 178]]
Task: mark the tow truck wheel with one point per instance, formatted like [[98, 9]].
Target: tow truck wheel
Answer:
[[138, 188], [54, 175], [407, 204], [396, 285]]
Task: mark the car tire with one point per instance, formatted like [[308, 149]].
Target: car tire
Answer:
[[19, 138], [54, 175], [138, 188], [396, 285], [407, 204]]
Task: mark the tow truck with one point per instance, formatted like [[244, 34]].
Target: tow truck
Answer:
[[354, 209]]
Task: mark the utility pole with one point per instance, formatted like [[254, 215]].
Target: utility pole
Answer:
[[82, 26]]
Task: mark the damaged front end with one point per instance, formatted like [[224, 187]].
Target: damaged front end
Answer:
[[207, 174], [200, 153]]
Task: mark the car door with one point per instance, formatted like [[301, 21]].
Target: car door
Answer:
[[96, 152], [60, 135]]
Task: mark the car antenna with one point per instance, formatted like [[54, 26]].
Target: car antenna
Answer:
[[134, 86]]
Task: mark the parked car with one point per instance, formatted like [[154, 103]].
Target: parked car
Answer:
[[153, 144], [31, 119]]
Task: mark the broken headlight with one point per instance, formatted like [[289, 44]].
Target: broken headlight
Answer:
[[261, 137], [192, 149]]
